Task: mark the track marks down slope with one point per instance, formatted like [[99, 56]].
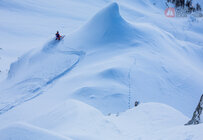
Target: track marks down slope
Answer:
[[35, 71]]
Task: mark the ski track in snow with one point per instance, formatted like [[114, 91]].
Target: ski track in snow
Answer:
[[38, 90], [167, 69]]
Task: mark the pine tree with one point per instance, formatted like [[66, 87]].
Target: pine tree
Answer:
[[182, 3], [198, 7], [178, 3], [188, 3]]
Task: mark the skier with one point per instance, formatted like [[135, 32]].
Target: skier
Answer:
[[58, 36]]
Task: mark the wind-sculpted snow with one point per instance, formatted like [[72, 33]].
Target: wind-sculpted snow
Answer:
[[132, 52], [164, 69], [167, 70], [107, 26], [34, 71], [22, 131], [80, 117]]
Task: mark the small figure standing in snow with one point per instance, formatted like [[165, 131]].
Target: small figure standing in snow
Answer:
[[58, 36], [137, 103]]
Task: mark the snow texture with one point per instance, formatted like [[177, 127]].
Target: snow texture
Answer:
[[21, 131], [84, 87]]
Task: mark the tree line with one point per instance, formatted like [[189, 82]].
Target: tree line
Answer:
[[188, 4]]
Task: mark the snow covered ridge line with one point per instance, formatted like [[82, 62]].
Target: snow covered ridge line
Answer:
[[197, 115]]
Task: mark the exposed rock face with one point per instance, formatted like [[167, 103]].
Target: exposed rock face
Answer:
[[197, 115]]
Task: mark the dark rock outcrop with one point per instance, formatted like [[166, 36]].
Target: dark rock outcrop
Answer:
[[197, 115]]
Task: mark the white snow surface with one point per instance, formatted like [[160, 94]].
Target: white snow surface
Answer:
[[20, 131], [114, 53]]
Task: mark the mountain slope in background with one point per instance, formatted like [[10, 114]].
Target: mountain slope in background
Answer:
[[122, 54]]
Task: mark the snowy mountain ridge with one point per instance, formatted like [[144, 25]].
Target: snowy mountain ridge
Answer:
[[64, 90]]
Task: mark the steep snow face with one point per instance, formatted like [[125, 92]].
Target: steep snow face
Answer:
[[134, 62], [34, 71], [147, 59], [38, 64], [29, 24], [160, 66], [107, 26]]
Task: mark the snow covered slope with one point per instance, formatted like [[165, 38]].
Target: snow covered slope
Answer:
[[127, 51], [161, 67], [164, 68], [34, 71], [77, 121], [24, 132], [107, 26], [80, 121]]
